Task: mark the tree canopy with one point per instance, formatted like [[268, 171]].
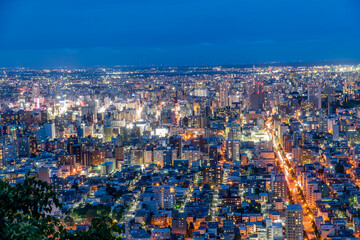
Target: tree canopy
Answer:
[[25, 214]]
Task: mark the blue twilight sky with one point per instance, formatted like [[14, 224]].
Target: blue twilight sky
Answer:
[[51, 33]]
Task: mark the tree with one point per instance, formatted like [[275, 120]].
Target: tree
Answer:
[[76, 187], [255, 207], [185, 184], [208, 218], [24, 208], [178, 205], [118, 212], [69, 221], [91, 211], [190, 230], [339, 168], [24, 214], [237, 236], [110, 190], [191, 226], [101, 228]]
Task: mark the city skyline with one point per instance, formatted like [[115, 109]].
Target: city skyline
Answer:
[[180, 120], [257, 153]]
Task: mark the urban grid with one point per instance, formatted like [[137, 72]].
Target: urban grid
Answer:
[[208, 152]]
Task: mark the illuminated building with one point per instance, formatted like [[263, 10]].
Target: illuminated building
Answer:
[[176, 142], [44, 174], [1, 157], [15, 117], [224, 95], [49, 130], [314, 95], [138, 234], [201, 92], [119, 155], [294, 222], [179, 224], [232, 201], [280, 190], [81, 130], [159, 155], [233, 150], [24, 146], [165, 196], [335, 132], [108, 133], [212, 175], [77, 150], [161, 233], [148, 156], [191, 154], [67, 160], [257, 100], [137, 156], [95, 158]]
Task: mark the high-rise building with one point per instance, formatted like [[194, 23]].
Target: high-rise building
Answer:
[[314, 95], [33, 143], [179, 224], [233, 150], [44, 174], [148, 156], [280, 190], [294, 222], [77, 150], [159, 155], [257, 100], [119, 156], [1, 157], [49, 130], [336, 130], [224, 95], [36, 95], [81, 130], [137, 156], [176, 142], [234, 131], [191, 154], [24, 146], [323, 127], [329, 92], [212, 175], [165, 196]]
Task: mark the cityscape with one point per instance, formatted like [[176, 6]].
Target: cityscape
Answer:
[[217, 152], [179, 120]]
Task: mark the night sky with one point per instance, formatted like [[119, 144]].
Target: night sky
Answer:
[[81, 33]]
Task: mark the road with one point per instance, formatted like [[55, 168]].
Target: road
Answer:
[[294, 188], [189, 191], [129, 213]]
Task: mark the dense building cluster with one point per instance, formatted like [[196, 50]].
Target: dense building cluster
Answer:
[[256, 153]]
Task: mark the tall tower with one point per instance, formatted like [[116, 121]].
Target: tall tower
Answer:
[[36, 95], [314, 95], [224, 95], [49, 130], [336, 132], [294, 222]]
